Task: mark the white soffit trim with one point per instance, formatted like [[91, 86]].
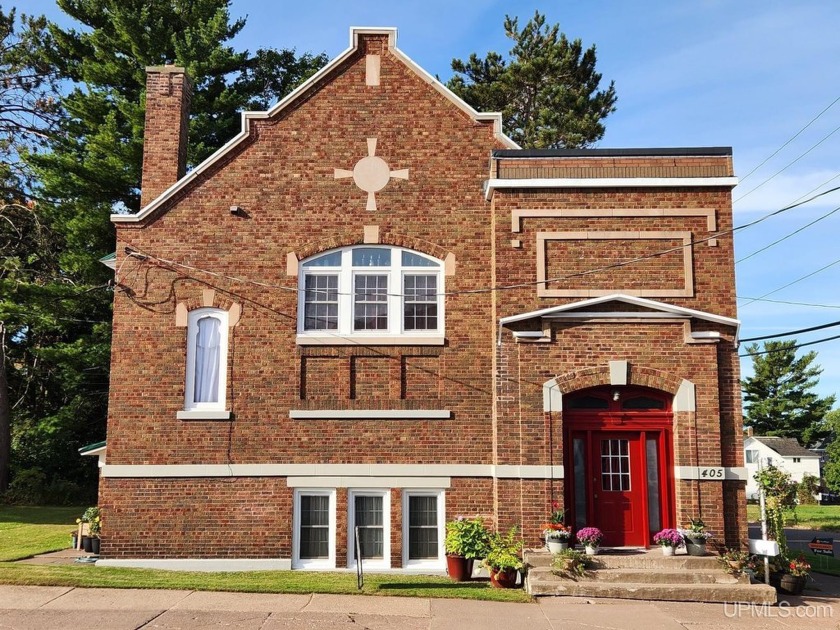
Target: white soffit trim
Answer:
[[607, 182], [628, 299], [248, 116]]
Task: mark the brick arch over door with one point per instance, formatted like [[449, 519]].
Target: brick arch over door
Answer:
[[636, 375]]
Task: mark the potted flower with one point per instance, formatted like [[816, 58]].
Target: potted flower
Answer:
[[569, 563], [793, 582], [695, 536], [94, 520], [669, 540], [590, 538], [557, 536], [734, 561], [503, 559], [466, 539]]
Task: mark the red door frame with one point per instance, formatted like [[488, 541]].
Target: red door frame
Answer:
[[647, 423]]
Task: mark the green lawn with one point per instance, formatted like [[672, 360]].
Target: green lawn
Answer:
[[821, 517], [26, 531]]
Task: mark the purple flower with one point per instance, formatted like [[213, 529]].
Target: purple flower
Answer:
[[668, 538], [590, 536]]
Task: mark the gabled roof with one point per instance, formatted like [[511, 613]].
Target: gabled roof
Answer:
[[299, 92], [653, 305], [786, 447]]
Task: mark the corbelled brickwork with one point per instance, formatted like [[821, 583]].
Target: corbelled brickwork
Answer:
[[282, 178]]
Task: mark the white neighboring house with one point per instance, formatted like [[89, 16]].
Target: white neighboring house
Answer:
[[786, 453]]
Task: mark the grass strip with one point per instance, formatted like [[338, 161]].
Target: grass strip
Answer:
[[27, 531], [255, 582]]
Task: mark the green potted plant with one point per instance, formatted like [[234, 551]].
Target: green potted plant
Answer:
[[569, 563], [556, 534], [93, 518], [734, 561], [695, 535], [503, 559], [466, 540], [669, 540], [793, 581], [590, 538]]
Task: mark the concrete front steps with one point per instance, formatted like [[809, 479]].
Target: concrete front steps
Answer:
[[646, 574]]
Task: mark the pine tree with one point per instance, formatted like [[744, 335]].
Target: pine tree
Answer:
[[547, 90], [55, 303], [779, 396]]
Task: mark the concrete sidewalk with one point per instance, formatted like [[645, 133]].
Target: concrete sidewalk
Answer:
[[36, 607]]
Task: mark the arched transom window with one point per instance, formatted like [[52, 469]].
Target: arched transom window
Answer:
[[377, 292]]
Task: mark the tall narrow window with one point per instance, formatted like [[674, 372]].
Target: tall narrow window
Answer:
[[321, 307], [423, 529], [314, 536], [207, 336], [370, 513]]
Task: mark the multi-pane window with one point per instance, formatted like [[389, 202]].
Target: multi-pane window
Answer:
[[370, 302], [615, 465], [371, 291], [420, 302], [368, 512], [422, 527], [321, 302], [314, 545], [314, 527]]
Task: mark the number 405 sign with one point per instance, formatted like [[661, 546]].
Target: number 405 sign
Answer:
[[712, 473]]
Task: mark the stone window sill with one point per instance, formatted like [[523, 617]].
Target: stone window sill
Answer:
[[201, 414]]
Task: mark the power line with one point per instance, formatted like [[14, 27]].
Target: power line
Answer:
[[137, 253], [787, 166], [740, 297], [792, 332], [788, 347], [800, 279], [791, 139], [787, 236]]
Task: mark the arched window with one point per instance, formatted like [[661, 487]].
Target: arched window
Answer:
[[207, 339], [373, 292]]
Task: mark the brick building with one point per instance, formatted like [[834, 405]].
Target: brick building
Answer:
[[370, 307]]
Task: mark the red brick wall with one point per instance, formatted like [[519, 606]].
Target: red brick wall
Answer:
[[282, 179]]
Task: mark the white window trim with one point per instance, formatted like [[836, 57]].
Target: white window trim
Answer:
[[189, 385], [385, 563], [438, 564], [317, 563], [346, 277]]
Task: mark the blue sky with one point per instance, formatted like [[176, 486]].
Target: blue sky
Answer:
[[748, 74]]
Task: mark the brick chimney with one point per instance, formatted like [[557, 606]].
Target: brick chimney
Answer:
[[168, 94]]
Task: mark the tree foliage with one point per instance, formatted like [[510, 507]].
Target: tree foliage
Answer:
[[547, 89], [82, 156], [831, 471], [779, 397]]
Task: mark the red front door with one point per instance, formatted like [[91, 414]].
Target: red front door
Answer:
[[618, 488], [618, 463]]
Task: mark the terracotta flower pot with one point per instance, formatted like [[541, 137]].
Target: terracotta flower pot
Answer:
[[503, 579], [459, 568]]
